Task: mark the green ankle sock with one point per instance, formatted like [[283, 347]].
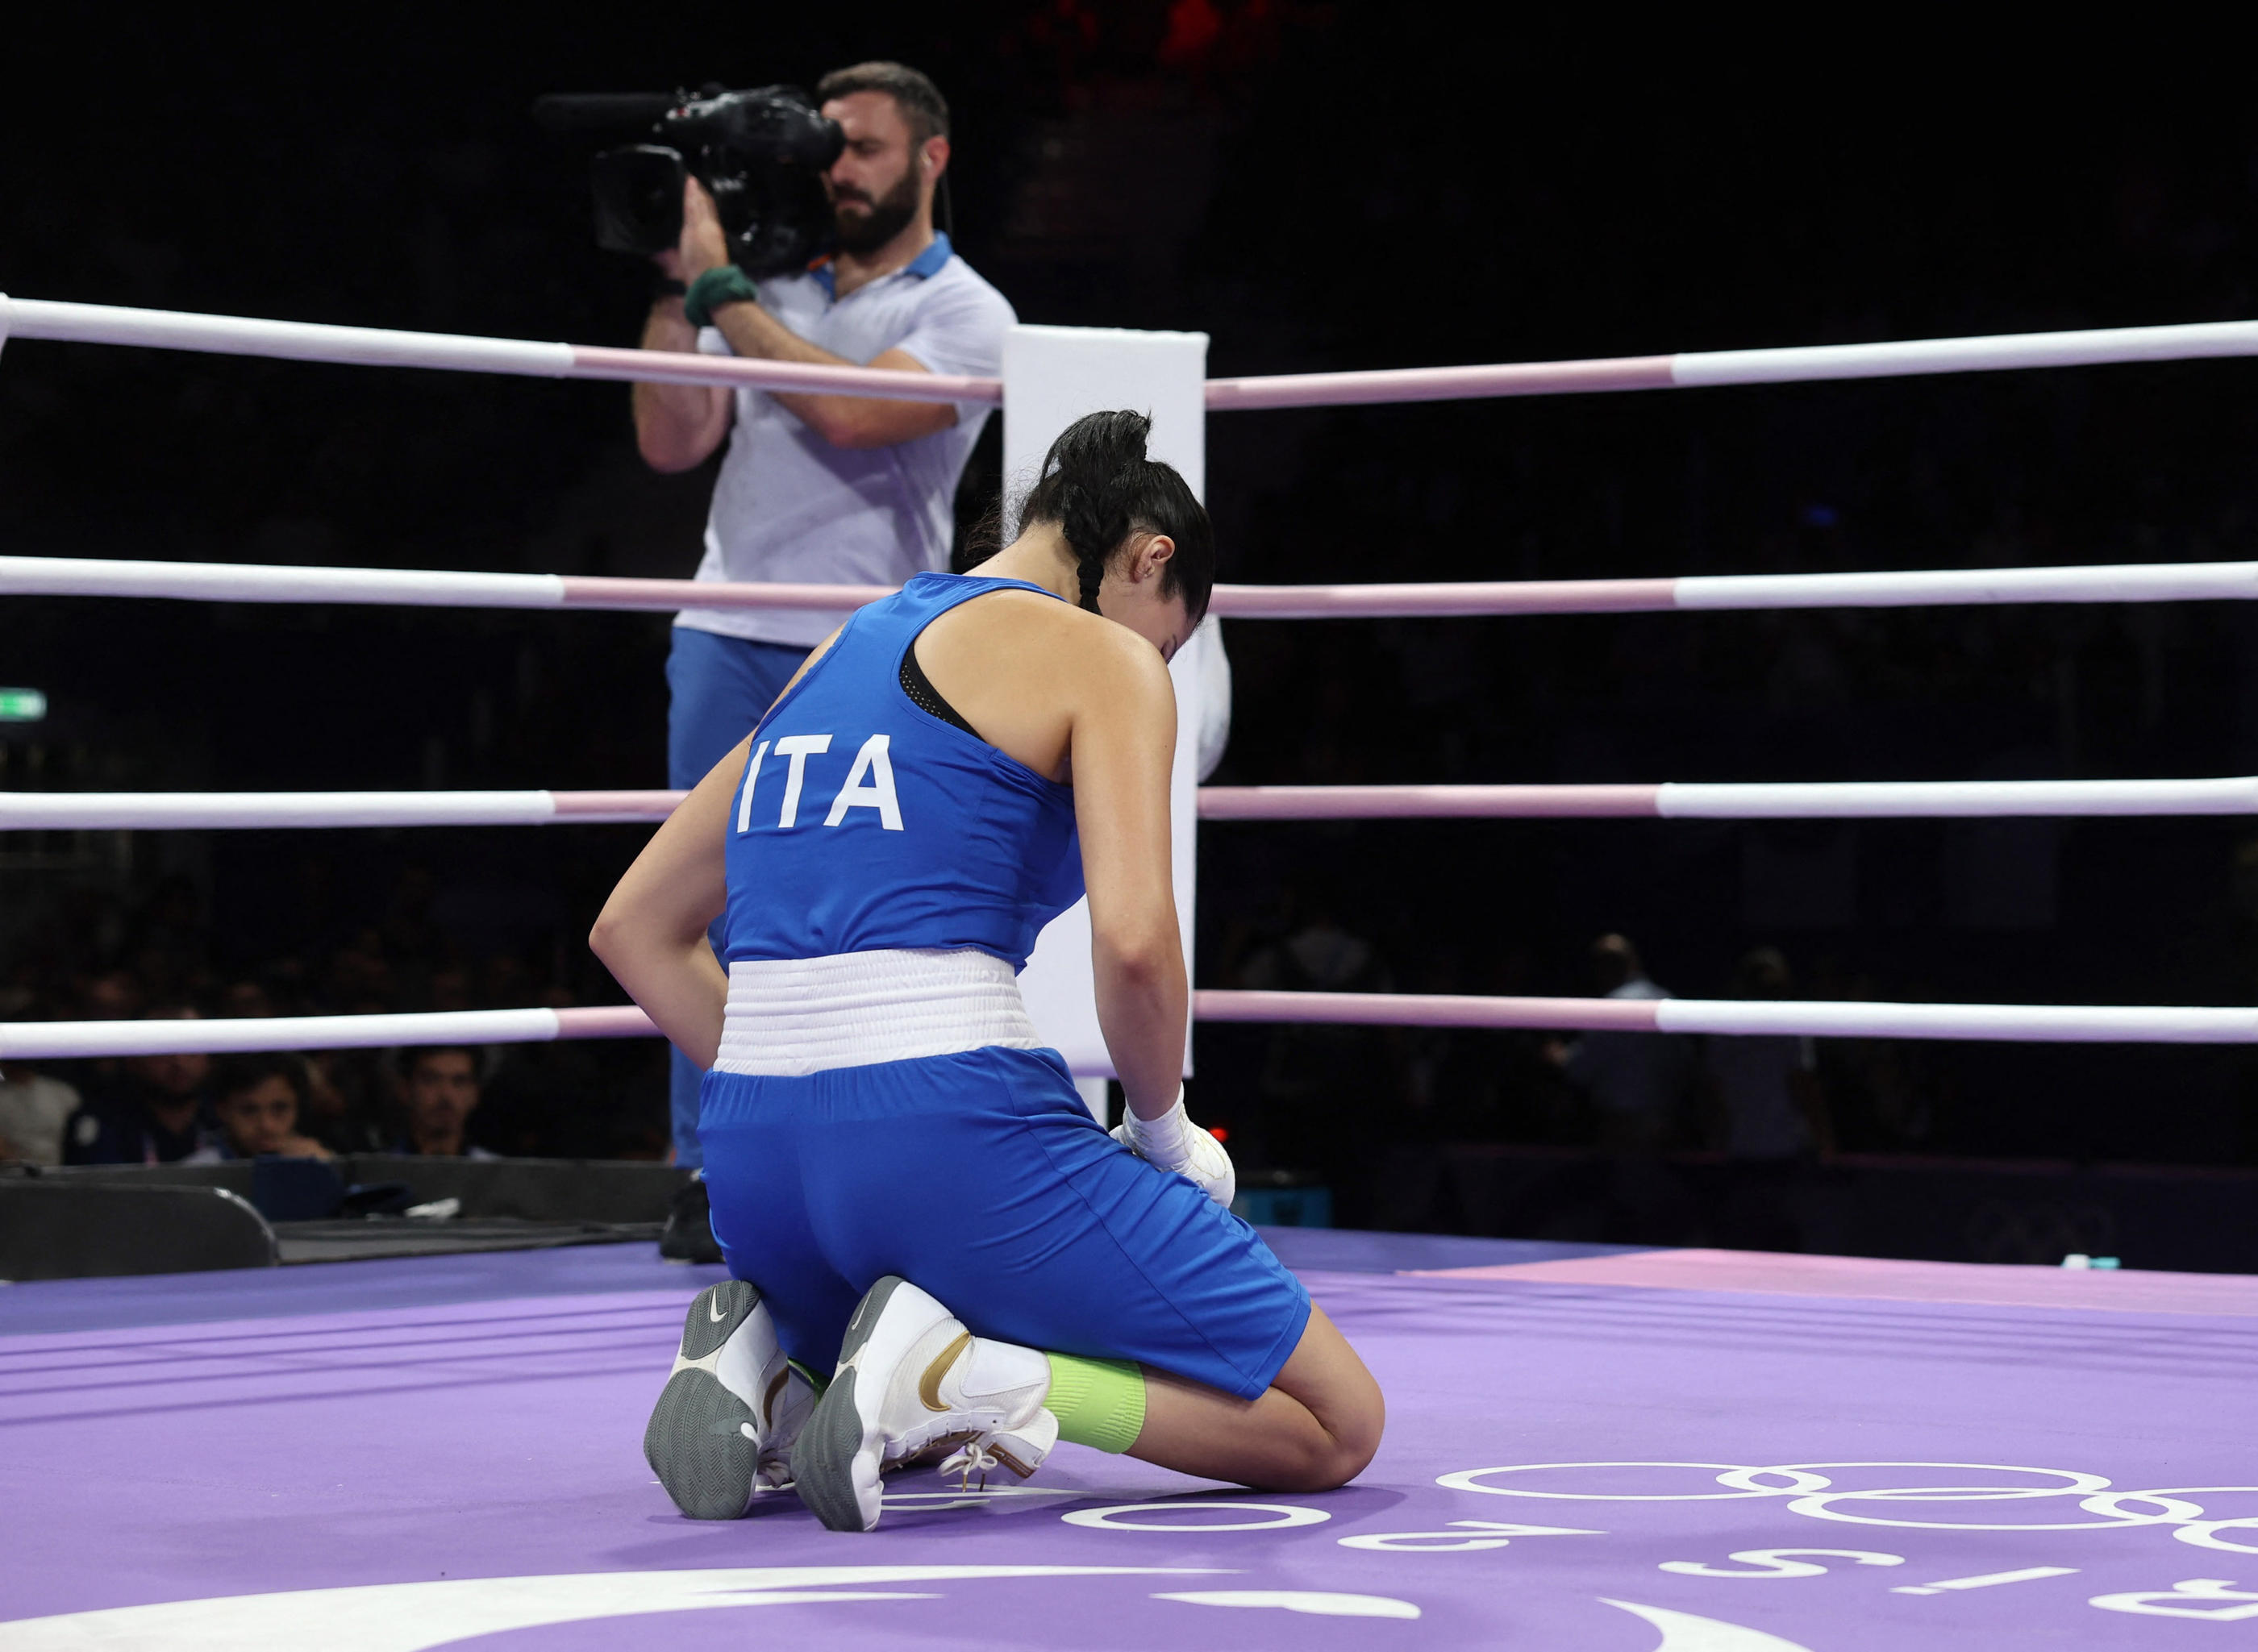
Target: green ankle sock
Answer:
[[1097, 1402], [813, 1380]]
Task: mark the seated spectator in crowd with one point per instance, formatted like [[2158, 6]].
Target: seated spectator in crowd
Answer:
[[152, 1113], [112, 995], [246, 999], [1319, 1083], [439, 1093], [1767, 1087], [548, 1101], [344, 1096], [352, 1101], [258, 1100], [34, 1109], [1636, 1080]]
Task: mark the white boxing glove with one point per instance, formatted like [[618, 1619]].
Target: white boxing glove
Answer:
[[1172, 1141]]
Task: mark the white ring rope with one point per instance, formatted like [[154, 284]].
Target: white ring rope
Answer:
[[368, 346], [1693, 370], [2023, 1023], [251, 810], [227, 582], [1672, 800], [380, 347], [254, 582], [62, 1040], [2020, 1023], [1693, 800]]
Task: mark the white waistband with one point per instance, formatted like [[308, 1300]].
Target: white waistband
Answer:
[[795, 1015]]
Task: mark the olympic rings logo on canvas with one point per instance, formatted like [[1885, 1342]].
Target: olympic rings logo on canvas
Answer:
[[1813, 1490]]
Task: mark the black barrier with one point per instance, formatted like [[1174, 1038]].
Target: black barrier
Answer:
[[84, 1220], [530, 1190], [55, 1229], [2201, 1221]]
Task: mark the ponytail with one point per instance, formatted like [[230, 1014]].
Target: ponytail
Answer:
[[1099, 488]]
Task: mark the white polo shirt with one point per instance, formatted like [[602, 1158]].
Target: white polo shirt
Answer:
[[789, 508]]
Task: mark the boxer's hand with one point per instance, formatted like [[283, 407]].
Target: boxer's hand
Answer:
[[1172, 1141]]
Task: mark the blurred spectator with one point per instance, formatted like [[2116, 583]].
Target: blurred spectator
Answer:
[[408, 930], [506, 983], [1319, 1083], [152, 1112], [352, 1101], [344, 1104], [1883, 1094], [550, 1101], [359, 977], [258, 1101], [440, 1092], [246, 1000], [1316, 955], [169, 939], [1636, 1081], [34, 1109], [112, 995], [1766, 1089], [1448, 1077], [451, 989]]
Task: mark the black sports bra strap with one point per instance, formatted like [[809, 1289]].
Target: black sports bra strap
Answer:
[[920, 688]]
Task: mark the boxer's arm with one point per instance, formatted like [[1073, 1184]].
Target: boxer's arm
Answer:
[[651, 933], [1123, 743]]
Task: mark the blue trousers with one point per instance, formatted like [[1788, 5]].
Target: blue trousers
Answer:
[[981, 1178], [718, 688]]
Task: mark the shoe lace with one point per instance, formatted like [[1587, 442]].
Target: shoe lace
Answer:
[[972, 1458], [772, 1467]]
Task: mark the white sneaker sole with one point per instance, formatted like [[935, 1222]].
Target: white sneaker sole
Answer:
[[836, 1462]]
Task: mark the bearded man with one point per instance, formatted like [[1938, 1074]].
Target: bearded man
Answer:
[[815, 489]]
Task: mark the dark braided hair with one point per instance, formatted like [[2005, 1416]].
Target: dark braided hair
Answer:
[[1100, 489]]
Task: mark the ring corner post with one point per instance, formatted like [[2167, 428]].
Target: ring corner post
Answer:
[[1052, 377]]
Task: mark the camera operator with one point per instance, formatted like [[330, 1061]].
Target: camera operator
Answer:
[[815, 489]]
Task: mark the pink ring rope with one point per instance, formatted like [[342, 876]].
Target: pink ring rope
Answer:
[[2026, 1024], [1849, 800], [366, 346], [255, 582], [239, 335]]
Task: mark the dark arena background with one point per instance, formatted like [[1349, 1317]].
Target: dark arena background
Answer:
[[1317, 187]]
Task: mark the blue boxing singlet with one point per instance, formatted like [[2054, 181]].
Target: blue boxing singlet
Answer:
[[865, 822], [881, 1102]]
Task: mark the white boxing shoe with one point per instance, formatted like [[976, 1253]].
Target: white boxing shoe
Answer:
[[725, 1424], [912, 1382]]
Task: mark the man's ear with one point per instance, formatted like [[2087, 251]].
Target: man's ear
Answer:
[[932, 157]]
